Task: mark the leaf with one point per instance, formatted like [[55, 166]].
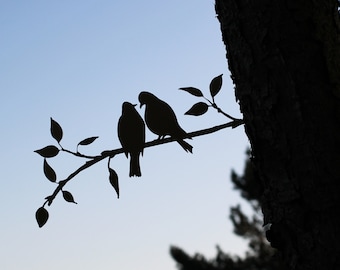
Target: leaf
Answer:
[[56, 131], [114, 180], [48, 151], [198, 109], [68, 196], [215, 85], [41, 216], [88, 141], [49, 172], [192, 90]]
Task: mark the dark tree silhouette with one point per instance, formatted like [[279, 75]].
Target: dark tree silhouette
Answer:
[[260, 256], [284, 57]]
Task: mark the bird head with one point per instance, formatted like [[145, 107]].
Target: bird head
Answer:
[[145, 97], [127, 106]]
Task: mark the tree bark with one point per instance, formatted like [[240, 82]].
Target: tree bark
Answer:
[[284, 57]]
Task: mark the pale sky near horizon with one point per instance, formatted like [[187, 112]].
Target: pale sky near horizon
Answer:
[[77, 62]]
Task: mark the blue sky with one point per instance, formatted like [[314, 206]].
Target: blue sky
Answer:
[[77, 62]]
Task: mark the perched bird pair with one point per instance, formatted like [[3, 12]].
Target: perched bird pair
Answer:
[[160, 119]]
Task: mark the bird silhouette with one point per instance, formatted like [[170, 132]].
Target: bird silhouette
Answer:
[[161, 119], [131, 134]]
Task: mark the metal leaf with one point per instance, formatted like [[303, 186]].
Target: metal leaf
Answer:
[[48, 151], [68, 196], [56, 131], [113, 177], [192, 90], [215, 85], [198, 109], [49, 172], [41, 215], [88, 141]]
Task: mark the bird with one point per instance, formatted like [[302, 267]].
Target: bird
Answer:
[[161, 119], [131, 134]]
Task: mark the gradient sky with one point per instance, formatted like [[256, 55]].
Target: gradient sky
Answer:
[[77, 62]]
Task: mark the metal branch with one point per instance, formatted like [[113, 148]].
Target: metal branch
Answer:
[[112, 153]]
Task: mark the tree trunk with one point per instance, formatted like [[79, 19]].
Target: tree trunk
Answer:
[[284, 57]]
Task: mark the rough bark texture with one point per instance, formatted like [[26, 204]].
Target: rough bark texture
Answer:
[[284, 56]]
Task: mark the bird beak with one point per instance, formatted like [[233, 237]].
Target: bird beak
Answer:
[[140, 106], [134, 105]]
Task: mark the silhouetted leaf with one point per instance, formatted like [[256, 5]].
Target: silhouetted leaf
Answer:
[[49, 172], [56, 131], [198, 109], [192, 90], [68, 196], [48, 151], [114, 180], [88, 141], [41, 216], [215, 85]]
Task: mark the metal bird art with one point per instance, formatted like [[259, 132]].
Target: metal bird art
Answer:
[[161, 119], [131, 134]]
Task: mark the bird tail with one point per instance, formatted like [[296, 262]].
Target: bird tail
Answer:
[[134, 165], [187, 147]]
